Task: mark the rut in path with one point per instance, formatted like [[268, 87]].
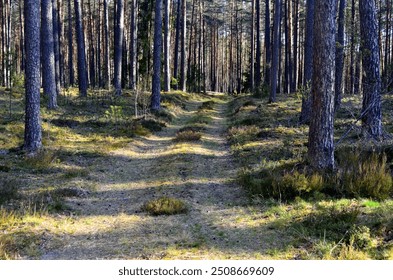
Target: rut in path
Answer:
[[219, 224]]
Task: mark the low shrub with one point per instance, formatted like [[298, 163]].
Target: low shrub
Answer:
[[9, 189], [165, 206], [188, 136], [243, 134]]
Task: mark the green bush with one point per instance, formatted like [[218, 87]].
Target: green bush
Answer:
[[165, 206]]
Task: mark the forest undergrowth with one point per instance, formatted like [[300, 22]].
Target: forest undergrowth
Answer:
[[116, 182]]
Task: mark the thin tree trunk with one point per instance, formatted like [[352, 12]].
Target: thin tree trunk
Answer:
[[82, 75], [33, 134], [48, 54], [70, 47], [106, 45], [56, 44], [275, 55], [167, 43], [339, 55], [268, 55], [183, 47], [258, 47], [119, 27], [156, 82], [372, 117], [308, 64]]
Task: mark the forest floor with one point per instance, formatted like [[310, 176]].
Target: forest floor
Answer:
[[85, 195]]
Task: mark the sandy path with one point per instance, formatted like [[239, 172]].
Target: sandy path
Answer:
[[110, 225]]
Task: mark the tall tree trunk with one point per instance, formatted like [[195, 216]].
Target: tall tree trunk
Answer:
[[80, 41], [295, 45], [119, 27], [70, 47], [133, 44], [276, 42], [167, 43], [308, 64], [372, 118], [321, 145], [48, 54], [339, 55], [258, 46], [183, 69], [106, 45], [268, 55], [252, 48], [33, 134], [177, 39], [56, 44], [156, 82]]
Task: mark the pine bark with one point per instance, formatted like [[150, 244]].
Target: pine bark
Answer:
[[80, 41], [275, 54], [308, 64], [321, 144], [167, 46], [48, 54], [339, 55], [183, 69], [156, 82], [268, 55], [33, 134], [119, 27], [371, 82]]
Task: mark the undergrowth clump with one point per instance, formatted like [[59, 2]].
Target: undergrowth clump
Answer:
[[363, 174], [243, 134], [207, 105], [41, 161], [165, 206], [187, 136], [9, 189]]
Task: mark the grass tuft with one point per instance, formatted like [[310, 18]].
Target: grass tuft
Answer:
[[187, 136], [165, 206]]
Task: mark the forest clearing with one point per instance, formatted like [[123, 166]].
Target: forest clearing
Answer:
[[195, 130]]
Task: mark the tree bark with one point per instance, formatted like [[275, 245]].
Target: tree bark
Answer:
[[268, 55], [167, 45], [33, 134], [276, 42], [371, 82], [48, 54], [119, 27], [339, 55], [321, 145], [308, 64], [80, 41], [183, 69], [156, 82], [70, 47]]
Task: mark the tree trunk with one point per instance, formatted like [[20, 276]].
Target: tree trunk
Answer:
[[70, 47], [80, 41], [177, 39], [33, 134], [321, 145], [133, 44], [106, 45], [167, 42], [308, 64], [156, 82], [276, 42], [258, 46], [268, 55], [48, 54], [56, 44], [252, 48], [371, 82], [119, 27], [339, 55], [183, 69]]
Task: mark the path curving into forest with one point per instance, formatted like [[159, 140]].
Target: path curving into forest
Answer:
[[218, 225]]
